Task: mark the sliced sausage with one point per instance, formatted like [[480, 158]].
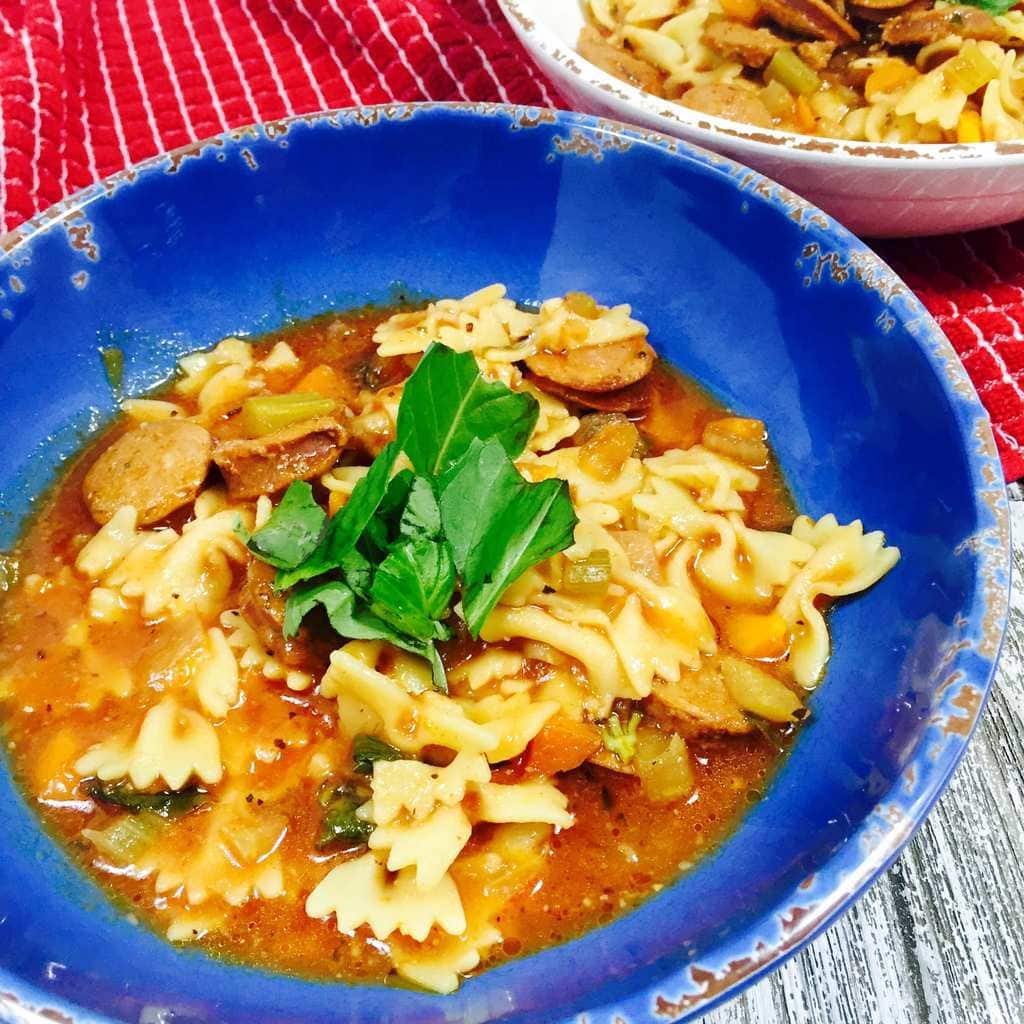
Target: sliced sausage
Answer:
[[265, 465], [594, 47], [919, 28], [154, 467], [730, 102], [628, 399], [596, 367], [263, 608], [813, 18], [751, 46]]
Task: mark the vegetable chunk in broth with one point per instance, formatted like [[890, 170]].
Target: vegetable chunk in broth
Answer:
[[398, 643]]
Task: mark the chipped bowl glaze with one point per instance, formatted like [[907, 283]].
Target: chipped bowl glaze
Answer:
[[763, 298], [875, 189]]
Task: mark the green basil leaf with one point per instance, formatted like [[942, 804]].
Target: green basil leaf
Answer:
[[446, 405], [499, 525], [993, 7], [348, 524], [366, 750], [422, 515], [293, 531], [351, 618], [412, 588]]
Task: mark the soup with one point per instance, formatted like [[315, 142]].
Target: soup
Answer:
[[399, 643], [878, 71]]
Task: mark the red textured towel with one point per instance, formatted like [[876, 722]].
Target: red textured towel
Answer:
[[89, 86]]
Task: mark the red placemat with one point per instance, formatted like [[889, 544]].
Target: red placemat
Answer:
[[90, 86]]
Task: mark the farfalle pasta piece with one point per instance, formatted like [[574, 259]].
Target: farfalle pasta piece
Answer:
[[846, 561], [169, 573], [409, 721], [429, 846], [554, 421], [491, 665], [589, 493], [512, 721], [484, 322], [646, 654], [358, 892], [173, 744], [588, 646], [747, 566], [419, 788], [439, 964], [237, 857], [215, 680], [718, 482], [525, 802], [253, 656]]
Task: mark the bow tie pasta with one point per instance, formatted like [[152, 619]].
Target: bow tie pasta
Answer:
[[409, 642]]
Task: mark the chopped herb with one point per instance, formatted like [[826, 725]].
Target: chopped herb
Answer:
[[348, 525], [293, 531], [368, 749], [113, 367], [447, 405], [618, 740], [340, 821], [499, 525], [167, 804], [387, 565], [993, 7]]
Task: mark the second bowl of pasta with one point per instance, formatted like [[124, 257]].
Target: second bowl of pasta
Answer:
[[898, 119]]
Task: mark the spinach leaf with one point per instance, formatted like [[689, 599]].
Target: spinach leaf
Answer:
[[347, 526], [499, 525], [366, 750], [167, 804], [447, 404], [340, 821], [293, 531]]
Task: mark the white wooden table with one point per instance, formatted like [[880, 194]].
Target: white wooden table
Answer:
[[940, 938]]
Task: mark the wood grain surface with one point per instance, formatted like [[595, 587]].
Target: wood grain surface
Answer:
[[940, 938]]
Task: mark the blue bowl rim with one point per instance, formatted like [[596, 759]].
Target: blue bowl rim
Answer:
[[970, 662]]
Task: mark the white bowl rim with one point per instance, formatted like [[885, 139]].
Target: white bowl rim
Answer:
[[765, 142]]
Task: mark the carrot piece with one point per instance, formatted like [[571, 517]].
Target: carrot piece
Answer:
[[805, 118], [741, 10], [561, 745], [757, 634], [323, 380], [889, 75], [968, 128]]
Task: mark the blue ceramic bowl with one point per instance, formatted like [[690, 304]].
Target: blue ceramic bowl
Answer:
[[779, 311]]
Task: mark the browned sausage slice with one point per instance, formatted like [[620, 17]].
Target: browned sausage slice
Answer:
[[627, 399], [728, 101], [263, 609], [155, 467], [752, 46], [594, 47], [596, 367], [265, 465], [813, 18], [919, 28]]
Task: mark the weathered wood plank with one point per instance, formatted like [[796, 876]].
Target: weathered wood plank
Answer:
[[938, 940]]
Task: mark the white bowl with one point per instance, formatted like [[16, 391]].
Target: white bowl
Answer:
[[885, 190]]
